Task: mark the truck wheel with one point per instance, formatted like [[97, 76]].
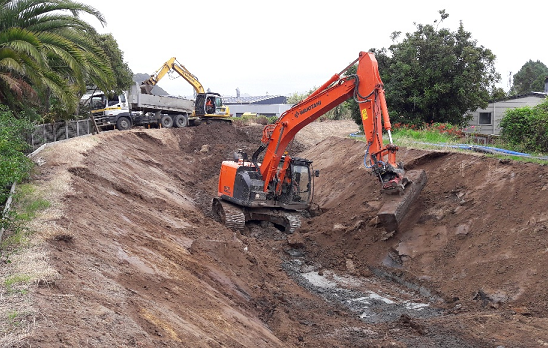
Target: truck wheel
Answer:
[[123, 123], [166, 121], [181, 121]]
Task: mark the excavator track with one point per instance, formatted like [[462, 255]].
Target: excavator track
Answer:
[[235, 217], [294, 222], [290, 221], [229, 214]]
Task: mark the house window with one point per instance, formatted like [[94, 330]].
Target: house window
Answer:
[[485, 118]]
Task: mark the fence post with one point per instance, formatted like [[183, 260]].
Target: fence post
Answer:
[[7, 208]]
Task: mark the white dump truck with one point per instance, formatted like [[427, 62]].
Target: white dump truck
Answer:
[[137, 109]]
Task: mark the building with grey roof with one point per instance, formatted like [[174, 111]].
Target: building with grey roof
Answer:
[[267, 105]]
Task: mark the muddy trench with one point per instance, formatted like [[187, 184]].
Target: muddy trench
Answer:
[[148, 265]]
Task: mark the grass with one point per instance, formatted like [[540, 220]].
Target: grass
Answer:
[[28, 205], [437, 137], [11, 282], [22, 263], [404, 137], [444, 136]]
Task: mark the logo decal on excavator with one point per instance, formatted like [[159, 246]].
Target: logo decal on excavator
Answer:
[[364, 114], [227, 190], [307, 109]]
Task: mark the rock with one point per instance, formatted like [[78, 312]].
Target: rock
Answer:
[[205, 148], [339, 227], [350, 267], [295, 240]]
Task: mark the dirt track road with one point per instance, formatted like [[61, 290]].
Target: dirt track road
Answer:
[[133, 258]]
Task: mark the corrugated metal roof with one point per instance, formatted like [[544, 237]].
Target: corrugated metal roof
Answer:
[[251, 100], [519, 96]]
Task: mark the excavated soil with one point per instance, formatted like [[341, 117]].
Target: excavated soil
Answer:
[[140, 262]]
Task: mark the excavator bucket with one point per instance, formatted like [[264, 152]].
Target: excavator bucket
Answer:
[[396, 206], [146, 89]]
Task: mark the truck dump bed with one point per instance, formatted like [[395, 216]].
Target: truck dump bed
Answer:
[[154, 103]]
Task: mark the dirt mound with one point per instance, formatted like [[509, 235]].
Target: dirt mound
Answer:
[[141, 263]]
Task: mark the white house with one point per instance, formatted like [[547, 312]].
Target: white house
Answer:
[[487, 121]]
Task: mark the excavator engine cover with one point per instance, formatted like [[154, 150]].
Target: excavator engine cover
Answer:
[[396, 206]]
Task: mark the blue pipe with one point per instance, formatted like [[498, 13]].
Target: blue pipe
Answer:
[[488, 149], [477, 148]]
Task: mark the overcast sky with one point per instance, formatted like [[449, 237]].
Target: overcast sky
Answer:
[[284, 47]]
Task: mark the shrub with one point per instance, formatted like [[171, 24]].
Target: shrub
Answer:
[[272, 119], [526, 128], [260, 119], [430, 130]]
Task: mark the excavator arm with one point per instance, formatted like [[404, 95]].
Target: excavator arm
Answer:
[[367, 89], [172, 64]]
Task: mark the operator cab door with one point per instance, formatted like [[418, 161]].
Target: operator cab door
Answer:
[[209, 104], [98, 103], [301, 188], [298, 190]]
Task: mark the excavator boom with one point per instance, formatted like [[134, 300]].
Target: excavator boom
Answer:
[[172, 64]]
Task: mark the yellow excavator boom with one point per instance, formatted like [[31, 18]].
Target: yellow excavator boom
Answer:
[[172, 64]]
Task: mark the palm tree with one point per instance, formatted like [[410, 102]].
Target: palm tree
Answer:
[[46, 51]]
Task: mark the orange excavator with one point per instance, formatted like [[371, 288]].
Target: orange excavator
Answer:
[[281, 187]]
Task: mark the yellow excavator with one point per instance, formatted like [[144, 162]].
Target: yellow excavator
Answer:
[[208, 105]]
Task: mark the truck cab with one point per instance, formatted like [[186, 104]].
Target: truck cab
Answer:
[[105, 108], [103, 105]]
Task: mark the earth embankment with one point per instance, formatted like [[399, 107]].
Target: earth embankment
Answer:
[[138, 260]]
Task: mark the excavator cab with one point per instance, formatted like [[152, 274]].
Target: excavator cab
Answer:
[[240, 182], [210, 105]]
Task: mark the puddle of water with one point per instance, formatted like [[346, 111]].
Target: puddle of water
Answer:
[[317, 280], [363, 296]]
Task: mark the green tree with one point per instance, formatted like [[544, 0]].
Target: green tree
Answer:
[[436, 75], [122, 73], [498, 94], [298, 97], [530, 78], [47, 51]]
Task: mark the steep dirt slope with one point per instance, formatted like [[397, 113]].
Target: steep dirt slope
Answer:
[[475, 239], [141, 263]]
